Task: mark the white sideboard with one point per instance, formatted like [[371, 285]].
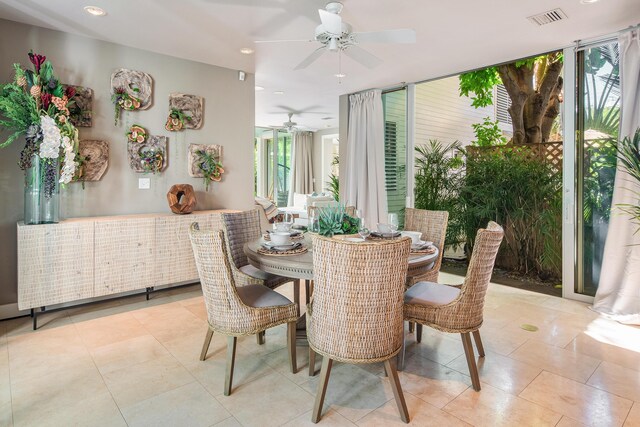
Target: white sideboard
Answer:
[[83, 258]]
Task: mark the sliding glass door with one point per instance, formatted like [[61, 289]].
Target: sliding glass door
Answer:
[[395, 150], [272, 164]]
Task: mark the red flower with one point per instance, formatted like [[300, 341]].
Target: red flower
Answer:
[[70, 92], [46, 100], [37, 60]]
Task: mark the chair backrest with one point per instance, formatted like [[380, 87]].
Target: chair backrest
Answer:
[[481, 265], [357, 307], [432, 224], [240, 228], [218, 288]]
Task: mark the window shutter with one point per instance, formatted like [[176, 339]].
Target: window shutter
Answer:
[[503, 102], [390, 155]]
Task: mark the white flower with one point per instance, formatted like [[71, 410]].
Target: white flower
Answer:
[[51, 138], [69, 164]]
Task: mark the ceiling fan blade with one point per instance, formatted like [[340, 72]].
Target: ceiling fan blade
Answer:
[[386, 36], [311, 58], [284, 41], [331, 22], [360, 55]]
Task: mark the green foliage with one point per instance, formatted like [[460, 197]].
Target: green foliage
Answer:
[[513, 188], [629, 156], [488, 133], [18, 110], [438, 178], [480, 83], [602, 90], [334, 220], [334, 181], [210, 167], [599, 177]]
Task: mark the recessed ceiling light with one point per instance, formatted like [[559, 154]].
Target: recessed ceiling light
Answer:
[[278, 92], [246, 50], [95, 10], [588, 1], [259, 88], [340, 75]]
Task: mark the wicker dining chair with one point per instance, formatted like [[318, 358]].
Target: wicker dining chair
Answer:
[[236, 311], [244, 227], [458, 309], [356, 312], [433, 226]]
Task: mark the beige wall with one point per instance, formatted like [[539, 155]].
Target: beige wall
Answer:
[[229, 121]]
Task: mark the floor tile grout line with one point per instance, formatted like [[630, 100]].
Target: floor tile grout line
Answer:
[[106, 386], [531, 382]]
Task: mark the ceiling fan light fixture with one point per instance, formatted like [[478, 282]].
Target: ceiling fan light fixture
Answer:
[[95, 10], [333, 44]]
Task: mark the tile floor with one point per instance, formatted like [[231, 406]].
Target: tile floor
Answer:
[[133, 362]]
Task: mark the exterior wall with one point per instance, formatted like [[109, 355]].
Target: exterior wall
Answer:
[[442, 114], [229, 116]]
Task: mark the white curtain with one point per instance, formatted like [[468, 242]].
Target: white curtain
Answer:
[[301, 177], [618, 292], [365, 181]]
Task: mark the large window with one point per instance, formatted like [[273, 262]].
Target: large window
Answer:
[[270, 157], [395, 150]]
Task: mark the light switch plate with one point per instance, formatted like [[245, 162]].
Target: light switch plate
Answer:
[[144, 183]]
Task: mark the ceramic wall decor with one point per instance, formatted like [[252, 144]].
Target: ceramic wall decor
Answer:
[[149, 156], [80, 110], [95, 160], [205, 161], [191, 106], [136, 84]]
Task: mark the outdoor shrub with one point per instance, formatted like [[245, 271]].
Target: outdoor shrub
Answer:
[[437, 183], [488, 134], [519, 191]]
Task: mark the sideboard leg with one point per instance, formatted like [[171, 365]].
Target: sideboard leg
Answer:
[[149, 290], [35, 318], [31, 312]]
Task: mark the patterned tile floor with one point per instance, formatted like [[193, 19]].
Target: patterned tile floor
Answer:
[[135, 362]]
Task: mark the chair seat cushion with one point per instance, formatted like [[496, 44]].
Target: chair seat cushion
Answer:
[[432, 294], [261, 296], [270, 280]]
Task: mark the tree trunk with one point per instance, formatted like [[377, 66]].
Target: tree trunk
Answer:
[[532, 111]]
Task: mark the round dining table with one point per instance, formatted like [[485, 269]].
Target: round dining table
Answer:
[[300, 266]]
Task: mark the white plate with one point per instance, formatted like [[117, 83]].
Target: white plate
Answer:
[[354, 239], [422, 244], [281, 247]]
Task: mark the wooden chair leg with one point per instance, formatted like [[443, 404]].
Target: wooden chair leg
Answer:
[[260, 338], [418, 332], [207, 343], [312, 362], [307, 291], [478, 340], [471, 360], [291, 343], [231, 360], [397, 390], [296, 294], [322, 389], [401, 353]]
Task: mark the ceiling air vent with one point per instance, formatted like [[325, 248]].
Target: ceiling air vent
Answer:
[[548, 17]]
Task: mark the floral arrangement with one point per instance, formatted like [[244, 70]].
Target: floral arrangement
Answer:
[[176, 120], [151, 160], [36, 105], [334, 220], [123, 101], [137, 134], [210, 167]]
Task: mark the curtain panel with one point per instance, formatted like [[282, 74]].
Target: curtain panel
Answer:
[[365, 180], [618, 293], [301, 177]]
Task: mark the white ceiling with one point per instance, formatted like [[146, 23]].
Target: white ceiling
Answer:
[[452, 36]]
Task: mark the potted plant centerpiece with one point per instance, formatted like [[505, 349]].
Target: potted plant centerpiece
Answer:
[[36, 105], [332, 220]]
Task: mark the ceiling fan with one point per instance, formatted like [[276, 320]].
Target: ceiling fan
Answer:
[[337, 36], [288, 126]]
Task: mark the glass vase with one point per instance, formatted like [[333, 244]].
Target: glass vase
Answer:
[[42, 191]]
